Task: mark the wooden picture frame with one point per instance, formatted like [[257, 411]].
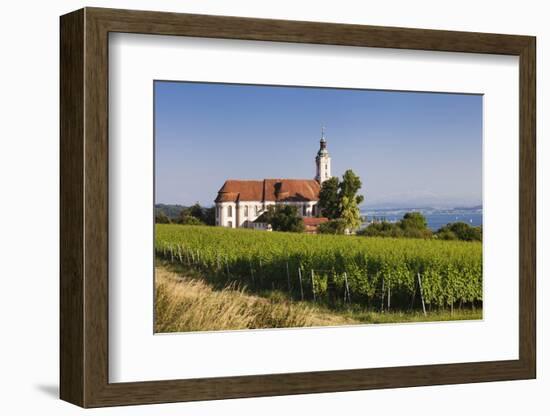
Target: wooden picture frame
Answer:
[[84, 207]]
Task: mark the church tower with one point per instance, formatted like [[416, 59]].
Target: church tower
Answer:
[[322, 160]]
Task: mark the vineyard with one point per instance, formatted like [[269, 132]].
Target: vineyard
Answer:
[[379, 273]]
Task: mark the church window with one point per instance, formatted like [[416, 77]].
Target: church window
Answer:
[[230, 211], [246, 210], [304, 210]]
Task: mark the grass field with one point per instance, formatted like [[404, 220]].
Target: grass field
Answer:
[[187, 301]]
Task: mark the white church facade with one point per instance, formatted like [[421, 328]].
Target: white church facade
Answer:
[[240, 202]]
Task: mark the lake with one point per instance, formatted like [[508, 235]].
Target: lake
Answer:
[[435, 220]]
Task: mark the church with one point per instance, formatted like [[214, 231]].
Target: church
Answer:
[[240, 203]]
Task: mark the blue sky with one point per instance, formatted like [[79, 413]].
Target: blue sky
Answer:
[[410, 149]]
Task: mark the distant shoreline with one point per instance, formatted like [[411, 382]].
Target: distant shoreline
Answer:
[[435, 217]]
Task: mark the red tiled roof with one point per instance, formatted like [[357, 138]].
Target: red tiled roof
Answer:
[[314, 221], [275, 190], [235, 190]]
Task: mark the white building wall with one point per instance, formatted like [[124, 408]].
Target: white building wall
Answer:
[[222, 214], [241, 218], [239, 215], [249, 211]]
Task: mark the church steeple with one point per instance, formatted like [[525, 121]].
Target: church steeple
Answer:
[[323, 140], [322, 160]]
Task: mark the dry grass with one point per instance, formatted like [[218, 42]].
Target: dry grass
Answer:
[[185, 301], [186, 304], [394, 317]]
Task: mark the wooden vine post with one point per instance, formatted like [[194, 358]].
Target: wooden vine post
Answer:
[[313, 284], [301, 285], [421, 293], [347, 288], [288, 277]]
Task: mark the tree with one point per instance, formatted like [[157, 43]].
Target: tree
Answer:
[[413, 220], [191, 215], [459, 231], [197, 211], [349, 213], [332, 227], [329, 202], [336, 195], [445, 234], [382, 229], [171, 211], [184, 212], [350, 185], [203, 215], [210, 216], [162, 218], [412, 225], [284, 218], [190, 220]]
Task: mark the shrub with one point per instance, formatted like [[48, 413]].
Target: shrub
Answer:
[[459, 231], [190, 220], [162, 218], [284, 218], [412, 225], [332, 227]]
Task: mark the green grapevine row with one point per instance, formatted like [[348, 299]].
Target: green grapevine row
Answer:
[[366, 269]]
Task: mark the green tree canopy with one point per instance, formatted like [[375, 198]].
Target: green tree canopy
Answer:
[[329, 202], [339, 199], [209, 216], [332, 227], [350, 185], [414, 220], [176, 213], [196, 211], [382, 229], [412, 225], [162, 218], [350, 214], [202, 214], [190, 220], [459, 231], [284, 218]]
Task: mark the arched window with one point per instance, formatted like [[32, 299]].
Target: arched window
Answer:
[[304, 210], [246, 210], [229, 211]]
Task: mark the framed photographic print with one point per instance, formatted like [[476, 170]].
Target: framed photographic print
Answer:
[[255, 207]]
